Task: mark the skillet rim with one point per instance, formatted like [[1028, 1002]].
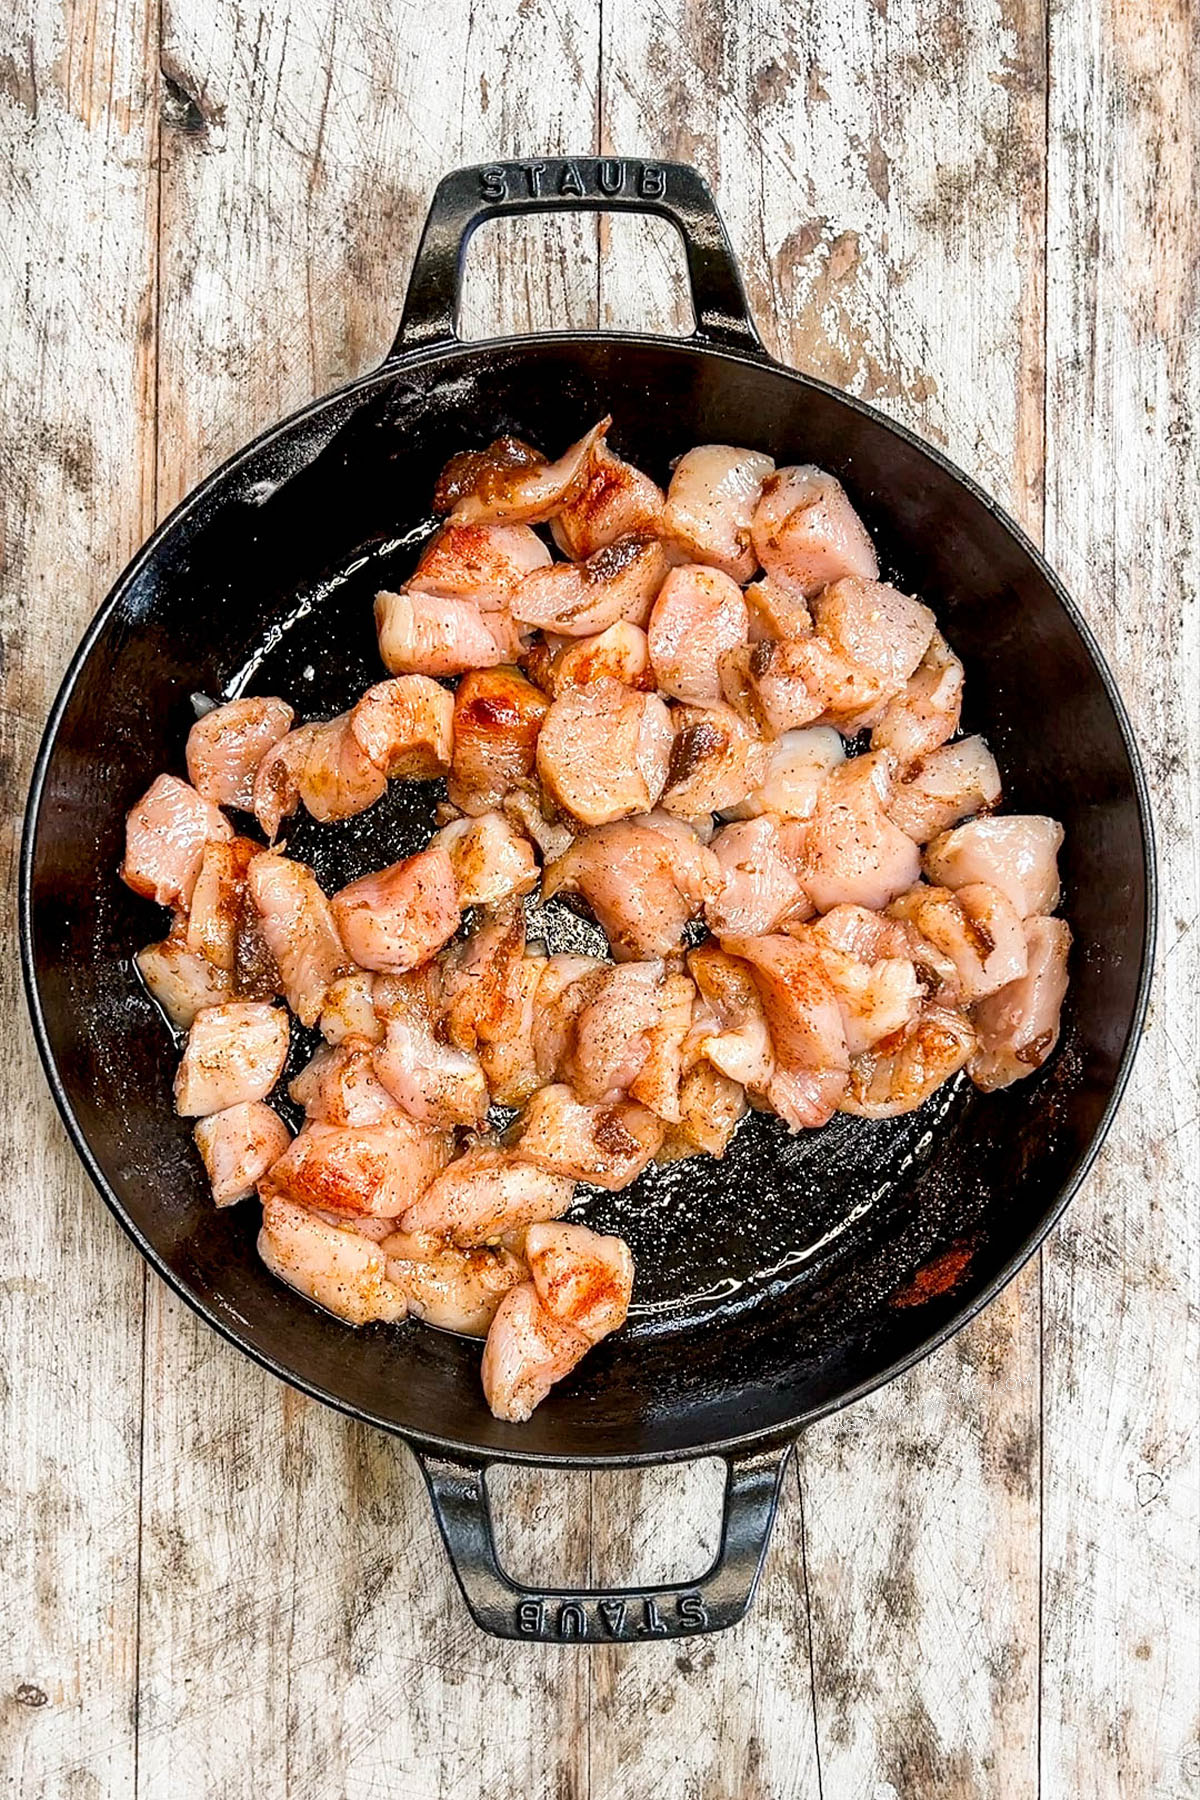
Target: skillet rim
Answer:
[[446, 351]]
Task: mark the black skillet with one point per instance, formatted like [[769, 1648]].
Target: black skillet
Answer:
[[797, 1274]]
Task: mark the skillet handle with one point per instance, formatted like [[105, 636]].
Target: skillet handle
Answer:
[[508, 1609], [465, 198]]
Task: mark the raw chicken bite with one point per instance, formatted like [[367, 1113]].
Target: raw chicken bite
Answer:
[[710, 1109], [338, 1268], [612, 1031], [218, 898], [729, 1029], [799, 762], [608, 1146], [492, 861], [767, 683], [617, 582], [658, 1081], [181, 981], [498, 716], [1017, 1027], [978, 929], [1016, 852], [926, 713], [234, 1053], [621, 653], [511, 483], [165, 835], [805, 531], [582, 1279], [759, 887], [238, 1146], [451, 1289], [428, 634], [642, 878], [406, 727], [894, 1079], [481, 563], [299, 931], [616, 501], [943, 787], [604, 750], [526, 1352], [339, 1086], [716, 760], [777, 609], [711, 503], [853, 851], [875, 627], [398, 917], [432, 1081], [698, 616], [803, 1016], [376, 1169], [226, 745], [485, 1192], [349, 1010]]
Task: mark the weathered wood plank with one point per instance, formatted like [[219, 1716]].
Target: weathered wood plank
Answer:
[[299, 1616], [1121, 1641], [76, 416], [845, 144]]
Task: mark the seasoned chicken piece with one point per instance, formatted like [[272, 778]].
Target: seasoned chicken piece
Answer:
[[730, 1030], [340, 1269], [698, 616], [803, 1015], [767, 684], [805, 531], [339, 1087], [643, 879], [853, 852], [777, 610], [608, 1146], [276, 791], [874, 626], [806, 1099], [181, 981], [878, 995], [234, 1053], [238, 1147], [298, 929], [225, 747], [1017, 853], [511, 484], [406, 727], [658, 1081], [165, 835], [497, 718], [617, 501], [398, 917], [579, 599], [215, 919], [485, 1192], [621, 653], [759, 886], [349, 1010], [1017, 1027], [892, 1080], [553, 837], [978, 929], [710, 1107], [492, 861], [944, 786], [710, 505], [715, 761], [454, 1290], [377, 1169], [799, 763], [485, 564], [490, 987], [612, 1032], [427, 634], [432, 1081], [526, 1352], [927, 712], [565, 986], [604, 750], [870, 937], [582, 1279]]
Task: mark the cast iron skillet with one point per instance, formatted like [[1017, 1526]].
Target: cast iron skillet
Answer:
[[797, 1274]]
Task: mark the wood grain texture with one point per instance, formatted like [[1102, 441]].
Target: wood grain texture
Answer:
[[983, 1580]]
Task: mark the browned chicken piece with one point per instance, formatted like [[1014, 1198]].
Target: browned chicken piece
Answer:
[[486, 1192], [612, 1031], [658, 1081], [299, 931], [492, 861], [234, 1053], [497, 718], [565, 986], [406, 727], [582, 1279], [428, 634], [508, 483], [218, 900], [485, 564], [238, 1146], [526, 1352], [335, 1266], [716, 760], [617, 501], [896, 1079], [165, 835], [799, 763], [451, 1289], [398, 917], [579, 599], [181, 981], [808, 1035], [604, 750], [608, 1146], [710, 505], [944, 787], [760, 887], [1017, 1027], [377, 1169], [621, 653], [225, 747], [642, 878], [854, 853], [805, 531], [1017, 853], [927, 712], [729, 1028], [978, 929], [710, 1109], [698, 616]]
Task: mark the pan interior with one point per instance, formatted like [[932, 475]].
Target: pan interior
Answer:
[[773, 1282]]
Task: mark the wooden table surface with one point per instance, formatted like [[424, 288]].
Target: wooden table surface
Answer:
[[979, 215]]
